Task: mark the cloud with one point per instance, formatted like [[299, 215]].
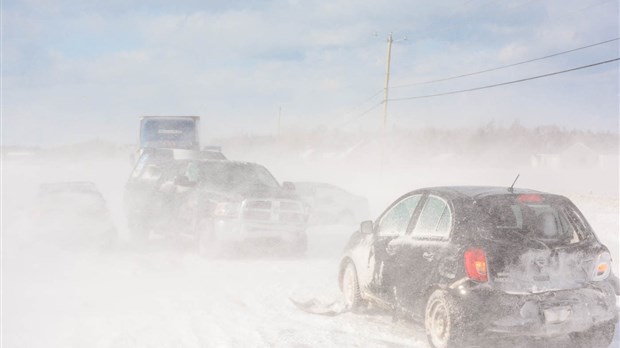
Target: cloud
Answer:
[[100, 65]]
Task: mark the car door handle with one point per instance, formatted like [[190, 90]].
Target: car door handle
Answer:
[[428, 256]]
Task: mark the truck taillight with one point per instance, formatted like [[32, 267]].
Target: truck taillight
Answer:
[[602, 267], [476, 265]]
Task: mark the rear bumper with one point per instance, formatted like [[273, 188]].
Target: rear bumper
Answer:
[[234, 230], [547, 314]]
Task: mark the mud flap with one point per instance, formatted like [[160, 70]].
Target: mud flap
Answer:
[[315, 306]]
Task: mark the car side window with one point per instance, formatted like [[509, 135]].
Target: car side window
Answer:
[[396, 220], [435, 219]]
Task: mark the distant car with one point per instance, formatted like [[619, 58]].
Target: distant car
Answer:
[[212, 153], [477, 262], [329, 204], [73, 214]]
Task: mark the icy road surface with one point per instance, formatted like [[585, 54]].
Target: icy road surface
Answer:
[[167, 296]]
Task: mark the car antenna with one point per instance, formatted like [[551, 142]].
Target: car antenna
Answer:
[[511, 189]]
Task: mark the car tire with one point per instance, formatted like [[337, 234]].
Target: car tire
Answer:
[[208, 244], [599, 336], [138, 232], [351, 288], [441, 321]]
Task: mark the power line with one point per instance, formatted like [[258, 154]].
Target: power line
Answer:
[[505, 66], [358, 105], [505, 83], [360, 115], [369, 98]]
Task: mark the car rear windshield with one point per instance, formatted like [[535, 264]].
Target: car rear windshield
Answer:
[[548, 219]]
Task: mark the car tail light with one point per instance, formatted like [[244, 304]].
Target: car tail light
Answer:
[[529, 198], [476, 265], [602, 267]]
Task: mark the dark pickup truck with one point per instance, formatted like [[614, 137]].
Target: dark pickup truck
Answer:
[[219, 203]]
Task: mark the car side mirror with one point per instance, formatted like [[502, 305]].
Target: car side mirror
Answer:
[[288, 186], [183, 180], [367, 227]]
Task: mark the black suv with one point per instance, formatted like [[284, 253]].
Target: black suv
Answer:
[[218, 203], [474, 262]]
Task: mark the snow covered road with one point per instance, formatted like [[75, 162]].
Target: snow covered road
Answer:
[[168, 296]]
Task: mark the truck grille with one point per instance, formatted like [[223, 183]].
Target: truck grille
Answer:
[[274, 211]]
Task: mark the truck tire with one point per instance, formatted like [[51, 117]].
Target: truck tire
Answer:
[[208, 244]]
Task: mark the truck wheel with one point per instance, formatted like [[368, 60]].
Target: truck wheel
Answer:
[[208, 245], [441, 321], [300, 245], [597, 337]]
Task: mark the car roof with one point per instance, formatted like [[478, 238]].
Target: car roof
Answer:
[[475, 192]]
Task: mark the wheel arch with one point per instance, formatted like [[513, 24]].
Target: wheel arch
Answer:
[[426, 294]]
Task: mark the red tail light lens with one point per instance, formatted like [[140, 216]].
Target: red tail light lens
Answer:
[[476, 265]]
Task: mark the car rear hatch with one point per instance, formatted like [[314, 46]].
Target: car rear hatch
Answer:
[[537, 243]]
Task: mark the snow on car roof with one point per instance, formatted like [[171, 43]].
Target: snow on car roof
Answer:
[[480, 191]]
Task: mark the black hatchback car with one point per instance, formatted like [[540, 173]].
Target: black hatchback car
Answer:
[[482, 262]]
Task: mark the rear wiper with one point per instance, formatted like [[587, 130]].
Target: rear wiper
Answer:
[[526, 237]]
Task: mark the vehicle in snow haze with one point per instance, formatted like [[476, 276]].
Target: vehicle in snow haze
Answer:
[[330, 204], [217, 203], [485, 262], [173, 132], [72, 214]]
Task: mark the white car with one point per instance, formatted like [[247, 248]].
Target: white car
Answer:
[[72, 214], [329, 204]]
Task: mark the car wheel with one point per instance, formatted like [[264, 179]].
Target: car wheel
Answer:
[[597, 337], [351, 288], [138, 232], [441, 321], [110, 239], [208, 245]]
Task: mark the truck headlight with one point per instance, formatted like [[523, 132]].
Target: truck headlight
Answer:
[[227, 209]]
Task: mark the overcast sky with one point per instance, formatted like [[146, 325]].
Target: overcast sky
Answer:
[[78, 69]]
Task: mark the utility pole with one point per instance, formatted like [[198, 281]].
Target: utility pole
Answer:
[[390, 40]]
